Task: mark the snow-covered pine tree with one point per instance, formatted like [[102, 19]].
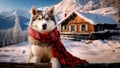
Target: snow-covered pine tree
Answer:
[[25, 35], [116, 5], [3, 42], [2, 33], [17, 31], [105, 3], [102, 3], [113, 3], [10, 35], [6, 37]]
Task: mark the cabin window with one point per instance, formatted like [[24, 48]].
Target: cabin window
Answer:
[[84, 27], [100, 28], [73, 28], [65, 27]]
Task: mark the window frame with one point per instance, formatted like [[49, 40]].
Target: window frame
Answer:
[[86, 27], [73, 28], [65, 27]]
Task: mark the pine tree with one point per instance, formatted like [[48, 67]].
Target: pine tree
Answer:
[[2, 33], [10, 35], [116, 5], [113, 3], [3, 42], [17, 31]]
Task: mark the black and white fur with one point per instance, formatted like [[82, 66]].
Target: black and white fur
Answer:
[[43, 22]]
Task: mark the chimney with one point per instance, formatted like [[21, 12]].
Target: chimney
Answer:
[[65, 15]]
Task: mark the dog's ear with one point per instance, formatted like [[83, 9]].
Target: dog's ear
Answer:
[[51, 10], [33, 11]]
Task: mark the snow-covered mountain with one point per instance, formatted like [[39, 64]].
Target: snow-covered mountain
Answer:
[[62, 8], [91, 6], [84, 2], [5, 13], [13, 12], [67, 6], [22, 13], [8, 22], [7, 19]]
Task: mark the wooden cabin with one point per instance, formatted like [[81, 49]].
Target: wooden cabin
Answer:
[[85, 23], [80, 22]]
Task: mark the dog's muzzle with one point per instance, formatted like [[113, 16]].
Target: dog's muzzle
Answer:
[[44, 26]]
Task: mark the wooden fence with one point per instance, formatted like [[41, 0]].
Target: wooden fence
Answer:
[[75, 36], [88, 36]]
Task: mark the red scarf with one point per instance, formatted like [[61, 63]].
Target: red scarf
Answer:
[[58, 48]]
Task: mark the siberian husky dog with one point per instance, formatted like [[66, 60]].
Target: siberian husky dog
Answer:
[[43, 22]]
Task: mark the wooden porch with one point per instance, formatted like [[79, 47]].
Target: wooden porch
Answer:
[[86, 36]]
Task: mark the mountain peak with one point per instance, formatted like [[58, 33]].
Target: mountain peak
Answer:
[[7, 19], [14, 12], [17, 11], [67, 6]]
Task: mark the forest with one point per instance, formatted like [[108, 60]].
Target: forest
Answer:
[[13, 35]]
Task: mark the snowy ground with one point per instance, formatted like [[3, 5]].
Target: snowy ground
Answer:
[[97, 51]]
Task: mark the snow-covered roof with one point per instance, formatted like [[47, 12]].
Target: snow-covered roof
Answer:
[[92, 18]]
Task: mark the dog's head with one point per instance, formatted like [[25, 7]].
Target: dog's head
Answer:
[[42, 21]]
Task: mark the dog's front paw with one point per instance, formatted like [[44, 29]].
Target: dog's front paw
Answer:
[[55, 63], [35, 59]]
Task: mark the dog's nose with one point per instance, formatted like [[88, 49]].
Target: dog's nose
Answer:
[[44, 26]]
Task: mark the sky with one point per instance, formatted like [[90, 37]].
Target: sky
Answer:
[[6, 5]]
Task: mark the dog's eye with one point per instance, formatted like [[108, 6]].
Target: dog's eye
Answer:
[[47, 18], [39, 18]]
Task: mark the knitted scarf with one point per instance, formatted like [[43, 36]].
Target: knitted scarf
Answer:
[[58, 48]]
